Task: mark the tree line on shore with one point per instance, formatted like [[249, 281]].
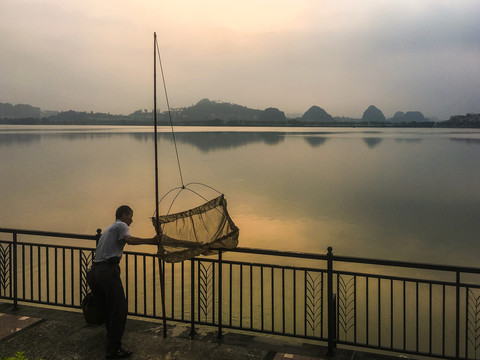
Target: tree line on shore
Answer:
[[211, 113]]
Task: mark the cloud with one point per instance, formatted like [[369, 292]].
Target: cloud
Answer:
[[342, 55]]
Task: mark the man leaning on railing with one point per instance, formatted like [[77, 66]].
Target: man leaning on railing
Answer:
[[104, 278]]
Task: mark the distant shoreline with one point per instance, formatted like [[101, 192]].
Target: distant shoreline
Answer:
[[212, 113], [216, 123]]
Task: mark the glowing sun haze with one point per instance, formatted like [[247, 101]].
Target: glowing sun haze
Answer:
[[341, 55]]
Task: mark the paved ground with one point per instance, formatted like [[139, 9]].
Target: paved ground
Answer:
[[54, 334]]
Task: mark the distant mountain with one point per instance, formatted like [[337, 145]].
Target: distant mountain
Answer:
[[316, 115], [272, 115], [409, 116], [372, 114], [211, 110], [19, 111], [469, 120]]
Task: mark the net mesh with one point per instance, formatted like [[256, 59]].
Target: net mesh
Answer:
[[198, 231]]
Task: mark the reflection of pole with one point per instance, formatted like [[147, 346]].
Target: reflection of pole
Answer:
[[157, 227]]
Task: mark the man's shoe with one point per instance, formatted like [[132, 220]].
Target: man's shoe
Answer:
[[119, 354]]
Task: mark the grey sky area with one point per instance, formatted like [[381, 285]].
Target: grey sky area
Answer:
[[341, 55]]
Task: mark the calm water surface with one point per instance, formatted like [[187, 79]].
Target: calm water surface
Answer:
[[406, 194]]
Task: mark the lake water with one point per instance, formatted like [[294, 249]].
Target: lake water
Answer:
[[400, 194]]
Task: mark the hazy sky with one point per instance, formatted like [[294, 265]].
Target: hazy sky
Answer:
[[342, 55]]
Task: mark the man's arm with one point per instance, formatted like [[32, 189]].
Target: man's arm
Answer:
[[132, 240]]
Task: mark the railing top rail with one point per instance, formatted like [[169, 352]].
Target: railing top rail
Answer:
[[360, 260], [48, 233], [291, 254], [406, 264]]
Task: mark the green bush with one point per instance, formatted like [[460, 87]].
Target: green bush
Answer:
[[18, 356]]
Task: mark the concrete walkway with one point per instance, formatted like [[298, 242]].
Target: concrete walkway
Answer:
[[43, 333]]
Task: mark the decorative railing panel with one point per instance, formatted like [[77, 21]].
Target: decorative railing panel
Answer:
[[5, 269]]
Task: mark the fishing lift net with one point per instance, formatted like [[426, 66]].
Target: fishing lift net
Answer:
[[201, 230]]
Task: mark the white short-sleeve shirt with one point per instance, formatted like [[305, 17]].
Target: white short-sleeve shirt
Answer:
[[112, 242]]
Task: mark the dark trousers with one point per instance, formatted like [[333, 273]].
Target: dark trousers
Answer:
[[104, 280]]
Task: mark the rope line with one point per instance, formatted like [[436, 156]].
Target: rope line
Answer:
[[169, 114], [183, 186]]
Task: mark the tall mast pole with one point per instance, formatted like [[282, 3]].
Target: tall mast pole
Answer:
[[155, 125], [157, 227]]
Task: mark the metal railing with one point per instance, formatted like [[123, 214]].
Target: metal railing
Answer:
[[410, 308]]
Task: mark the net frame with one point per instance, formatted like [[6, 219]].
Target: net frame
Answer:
[[202, 230]]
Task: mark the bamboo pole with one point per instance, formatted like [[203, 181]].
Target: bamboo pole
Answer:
[[157, 227]]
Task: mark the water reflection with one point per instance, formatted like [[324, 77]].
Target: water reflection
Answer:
[[416, 199], [372, 142], [315, 141], [8, 138], [409, 140], [217, 140], [204, 141], [211, 141], [470, 141]]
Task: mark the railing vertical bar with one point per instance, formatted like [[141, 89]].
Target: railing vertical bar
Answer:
[[72, 276], [241, 295], [430, 316], [283, 299], [15, 272], [135, 283], [305, 303], [183, 290], [322, 292], [366, 310], [56, 275], [273, 296], [39, 272], [379, 312], [467, 290], [220, 294], [355, 309], [230, 288], [80, 275], [64, 280], [213, 290], [391, 313], [404, 316], [154, 287], [251, 297], [31, 273], [330, 304], [417, 335], [198, 289], [23, 274], [443, 320], [337, 310], [261, 297], [144, 258], [127, 283], [457, 315], [192, 298], [47, 272], [173, 290], [294, 296]]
